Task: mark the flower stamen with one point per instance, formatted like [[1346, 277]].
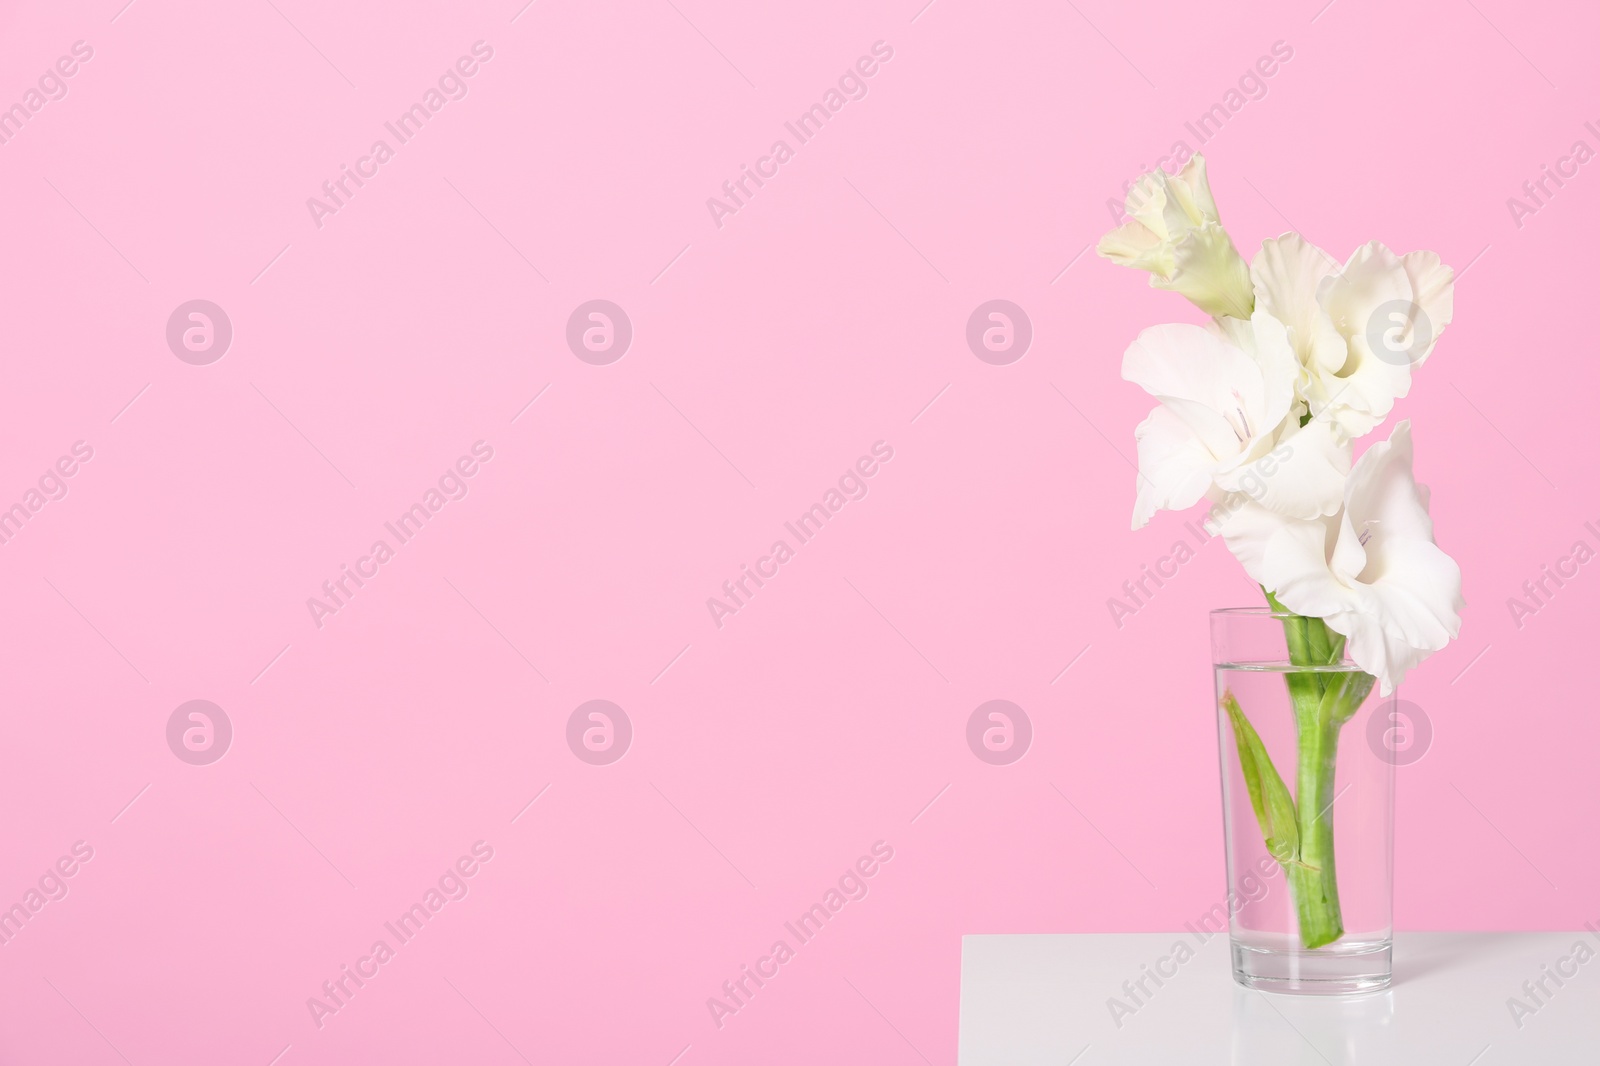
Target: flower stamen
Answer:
[[1238, 421]]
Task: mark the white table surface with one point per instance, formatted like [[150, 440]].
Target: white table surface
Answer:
[[1043, 999]]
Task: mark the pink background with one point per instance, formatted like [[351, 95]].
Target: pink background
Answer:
[[824, 316]]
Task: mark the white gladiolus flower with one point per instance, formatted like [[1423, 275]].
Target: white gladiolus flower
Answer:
[[1256, 413], [1228, 422], [1358, 330], [1175, 234], [1372, 572]]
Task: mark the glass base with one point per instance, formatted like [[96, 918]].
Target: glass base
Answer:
[[1344, 969]]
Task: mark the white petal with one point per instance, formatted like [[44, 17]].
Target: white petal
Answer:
[[1147, 202], [1266, 341], [1135, 245], [1351, 421], [1389, 630], [1198, 186], [1209, 428], [1374, 276], [1286, 556], [1381, 499], [1303, 476], [1178, 212], [1409, 590], [1286, 274], [1349, 555], [1207, 382], [1433, 289], [1174, 466], [1370, 303]]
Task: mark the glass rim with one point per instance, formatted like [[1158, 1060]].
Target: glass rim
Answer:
[[1251, 612]]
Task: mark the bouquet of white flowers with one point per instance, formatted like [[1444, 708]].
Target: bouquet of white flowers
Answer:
[[1257, 412]]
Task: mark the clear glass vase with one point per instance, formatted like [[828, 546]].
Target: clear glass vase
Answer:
[[1292, 717]]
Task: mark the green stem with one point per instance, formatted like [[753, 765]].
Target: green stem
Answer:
[[1313, 880], [1323, 702]]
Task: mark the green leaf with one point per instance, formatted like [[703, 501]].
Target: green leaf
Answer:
[[1269, 796]]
